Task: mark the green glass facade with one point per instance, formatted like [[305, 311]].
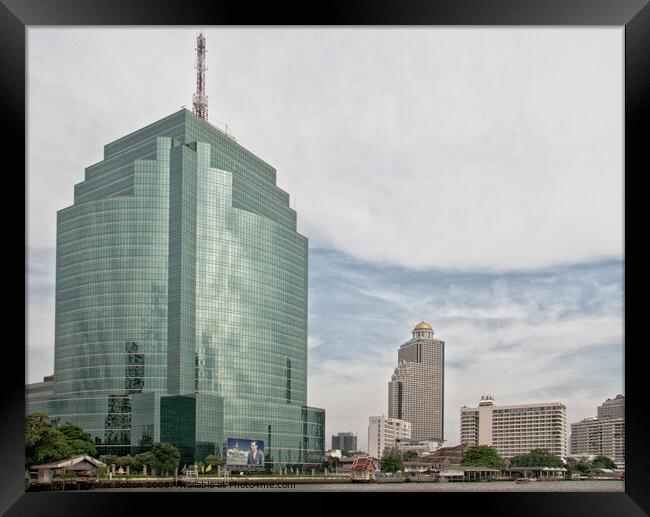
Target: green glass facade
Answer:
[[180, 273]]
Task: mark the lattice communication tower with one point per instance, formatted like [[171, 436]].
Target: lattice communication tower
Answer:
[[200, 99]]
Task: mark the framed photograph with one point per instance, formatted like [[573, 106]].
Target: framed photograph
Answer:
[[393, 253]]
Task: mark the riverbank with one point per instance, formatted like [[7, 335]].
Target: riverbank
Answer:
[[496, 486], [303, 484], [74, 484]]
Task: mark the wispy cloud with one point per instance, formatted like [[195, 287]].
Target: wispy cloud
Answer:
[[436, 173], [39, 342], [548, 334]]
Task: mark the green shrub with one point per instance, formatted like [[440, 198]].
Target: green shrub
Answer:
[[101, 472]]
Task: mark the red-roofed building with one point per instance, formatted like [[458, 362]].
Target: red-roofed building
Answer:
[[364, 468]]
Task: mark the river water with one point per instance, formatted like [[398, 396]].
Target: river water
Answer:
[[492, 486]]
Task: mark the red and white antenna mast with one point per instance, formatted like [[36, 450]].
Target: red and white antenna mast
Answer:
[[200, 99]]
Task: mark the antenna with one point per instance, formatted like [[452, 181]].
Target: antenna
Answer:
[[200, 99]]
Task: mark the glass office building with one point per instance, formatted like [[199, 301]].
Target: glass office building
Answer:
[[182, 282]]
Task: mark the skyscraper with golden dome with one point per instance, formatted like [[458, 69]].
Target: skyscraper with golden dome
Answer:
[[417, 387]]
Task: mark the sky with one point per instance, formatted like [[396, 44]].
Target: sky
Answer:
[[468, 177]]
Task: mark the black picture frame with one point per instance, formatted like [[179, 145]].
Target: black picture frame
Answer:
[[633, 15]]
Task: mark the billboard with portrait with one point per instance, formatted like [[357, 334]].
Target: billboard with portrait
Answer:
[[241, 451]]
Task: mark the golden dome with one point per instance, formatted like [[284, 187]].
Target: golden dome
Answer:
[[423, 325]]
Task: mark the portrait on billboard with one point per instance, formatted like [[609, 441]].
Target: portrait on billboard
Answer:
[[245, 452]]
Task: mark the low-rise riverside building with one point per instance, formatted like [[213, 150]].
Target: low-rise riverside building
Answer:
[[541, 473], [480, 473], [363, 468], [442, 458], [600, 473], [452, 474], [421, 447], [82, 465]]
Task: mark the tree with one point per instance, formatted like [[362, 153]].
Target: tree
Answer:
[[100, 472], [165, 457], [409, 455], [603, 462], [109, 459], [536, 458], [78, 439], [142, 459], [213, 459], [67, 474], [574, 466], [44, 443], [126, 461], [145, 443], [482, 456], [391, 461], [331, 463]]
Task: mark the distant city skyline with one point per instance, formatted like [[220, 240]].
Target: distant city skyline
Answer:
[[475, 184]]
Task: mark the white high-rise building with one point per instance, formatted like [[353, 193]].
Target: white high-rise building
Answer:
[[602, 435], [614, 408], [516, 429], [416, 388], [383, 433]]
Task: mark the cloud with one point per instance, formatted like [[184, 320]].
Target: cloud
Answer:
[[536, 336], [445, 169], [39, 339], [349, 393], [491, 148], [313, 342]]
